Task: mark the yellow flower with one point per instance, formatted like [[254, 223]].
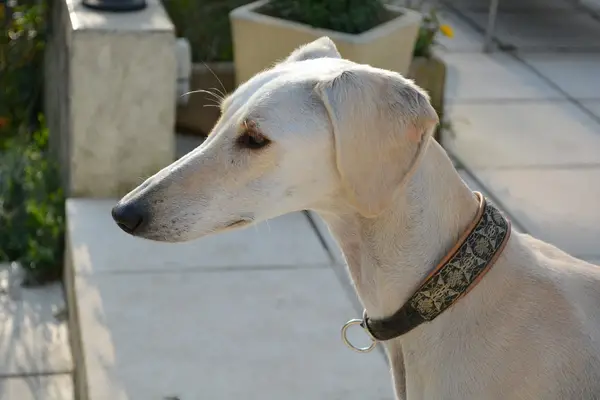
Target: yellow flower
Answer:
[[447, 30]]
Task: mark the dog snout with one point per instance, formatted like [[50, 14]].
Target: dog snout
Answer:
[[130, 216]]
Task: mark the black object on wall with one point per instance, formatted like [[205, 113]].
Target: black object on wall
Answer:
[[115, 5]]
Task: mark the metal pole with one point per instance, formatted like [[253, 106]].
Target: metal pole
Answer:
[[489, 32]]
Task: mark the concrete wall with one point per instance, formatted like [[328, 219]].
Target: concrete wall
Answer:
[[110, 89]]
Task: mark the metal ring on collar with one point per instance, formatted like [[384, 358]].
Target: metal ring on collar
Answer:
[[349, 344]]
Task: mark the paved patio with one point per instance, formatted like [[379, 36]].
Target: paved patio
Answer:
[[526, 125], [241, 314], [35, 358]]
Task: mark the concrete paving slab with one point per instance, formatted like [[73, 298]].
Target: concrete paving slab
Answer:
[[32, 340], [592, 5], [568, 30], [465, 39], [522, 135], [476, 77], [98, 245], [474, 185], [54, 387], [512, 6], [334, 248], [251, 334], [593, 106], [559, 206], [576, 74]]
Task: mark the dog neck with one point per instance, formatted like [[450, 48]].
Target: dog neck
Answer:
[[389, 256]]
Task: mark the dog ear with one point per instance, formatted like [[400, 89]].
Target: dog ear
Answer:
[[382, 124], [320, 48]]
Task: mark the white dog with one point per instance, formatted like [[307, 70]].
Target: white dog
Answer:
[[353, 143]]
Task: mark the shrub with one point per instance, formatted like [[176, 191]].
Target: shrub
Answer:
[[348, 16], [31, 207], [21, 52], [205, 23], [31, 200]]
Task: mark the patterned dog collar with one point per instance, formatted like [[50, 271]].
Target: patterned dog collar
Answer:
[[455, 275]]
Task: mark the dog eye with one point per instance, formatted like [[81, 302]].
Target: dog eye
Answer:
[[252, 140]]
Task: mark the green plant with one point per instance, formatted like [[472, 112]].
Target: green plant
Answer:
[[31, 199], [31, 206], [428, 32], [205, 23], [21, 52], [348, 16]]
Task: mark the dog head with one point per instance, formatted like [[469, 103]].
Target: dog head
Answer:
[[313, 130]]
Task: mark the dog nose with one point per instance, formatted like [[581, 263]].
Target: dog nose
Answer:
[[129, 217]]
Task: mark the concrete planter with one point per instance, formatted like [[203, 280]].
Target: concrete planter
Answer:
[[430, 74], [260, 40], [197, 116]]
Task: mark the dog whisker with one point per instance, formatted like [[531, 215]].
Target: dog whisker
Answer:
[[217, 78], [215, 95], [219, 92]]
